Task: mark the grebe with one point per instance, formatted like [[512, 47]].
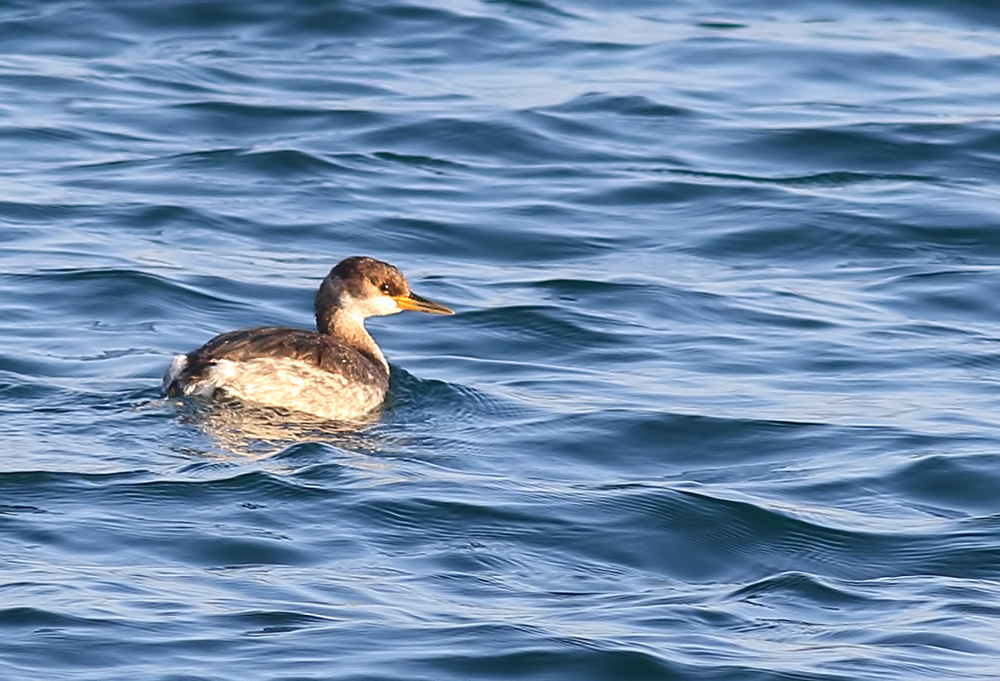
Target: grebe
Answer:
[[336, 372]]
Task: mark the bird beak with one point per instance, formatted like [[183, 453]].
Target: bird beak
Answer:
[[414, 302]]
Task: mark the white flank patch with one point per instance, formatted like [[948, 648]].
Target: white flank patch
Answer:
[[177, 366], [289, 383]]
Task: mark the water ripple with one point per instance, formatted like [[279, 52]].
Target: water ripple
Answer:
[[718, 402]]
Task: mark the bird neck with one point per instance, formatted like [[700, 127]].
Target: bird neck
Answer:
[[333, 319], [350, 329]]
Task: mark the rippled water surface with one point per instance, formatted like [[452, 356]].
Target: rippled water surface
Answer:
[[720, 401]]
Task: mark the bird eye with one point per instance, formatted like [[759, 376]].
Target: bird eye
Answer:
[[384, 288]]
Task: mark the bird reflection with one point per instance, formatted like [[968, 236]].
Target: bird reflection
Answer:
[[259, 432]]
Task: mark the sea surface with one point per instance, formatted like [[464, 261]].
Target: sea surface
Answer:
[[720, 402]]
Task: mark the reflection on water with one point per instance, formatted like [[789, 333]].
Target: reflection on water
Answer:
[[260, 432]]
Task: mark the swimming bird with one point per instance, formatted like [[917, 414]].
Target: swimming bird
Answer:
[[336, 372]]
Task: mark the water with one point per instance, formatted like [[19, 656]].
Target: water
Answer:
[[720, 400]]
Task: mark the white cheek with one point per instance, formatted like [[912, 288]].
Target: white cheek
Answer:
[[386, 305]]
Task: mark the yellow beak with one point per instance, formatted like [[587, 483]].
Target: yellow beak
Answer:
[[420, 304]]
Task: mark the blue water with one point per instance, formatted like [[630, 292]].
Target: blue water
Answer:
[[720, 402]]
